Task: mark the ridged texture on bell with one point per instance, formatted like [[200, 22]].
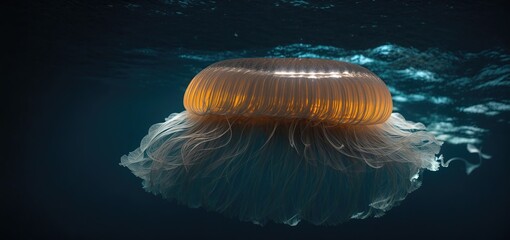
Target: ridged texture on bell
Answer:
[[293, 88]]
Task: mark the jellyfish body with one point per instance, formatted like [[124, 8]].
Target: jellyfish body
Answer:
[[286, 140]]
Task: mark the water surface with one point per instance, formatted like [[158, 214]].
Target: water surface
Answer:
[[85, 80]]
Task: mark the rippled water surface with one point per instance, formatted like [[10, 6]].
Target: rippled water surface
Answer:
[[86, 79]]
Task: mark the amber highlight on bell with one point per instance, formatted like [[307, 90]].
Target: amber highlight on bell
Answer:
[[313, 89]]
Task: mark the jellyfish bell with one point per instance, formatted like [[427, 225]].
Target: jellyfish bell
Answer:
[[284, 140]]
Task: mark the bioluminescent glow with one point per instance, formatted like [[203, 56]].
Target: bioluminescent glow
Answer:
[[286, 140]]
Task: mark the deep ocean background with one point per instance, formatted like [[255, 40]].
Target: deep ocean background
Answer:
[[84, 80]]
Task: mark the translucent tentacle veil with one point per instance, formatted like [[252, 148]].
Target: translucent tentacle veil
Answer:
[[286, 140]]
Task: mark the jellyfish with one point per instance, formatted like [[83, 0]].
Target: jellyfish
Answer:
[[285, 140]]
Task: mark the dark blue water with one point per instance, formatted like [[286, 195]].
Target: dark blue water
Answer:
[[84, 80]]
